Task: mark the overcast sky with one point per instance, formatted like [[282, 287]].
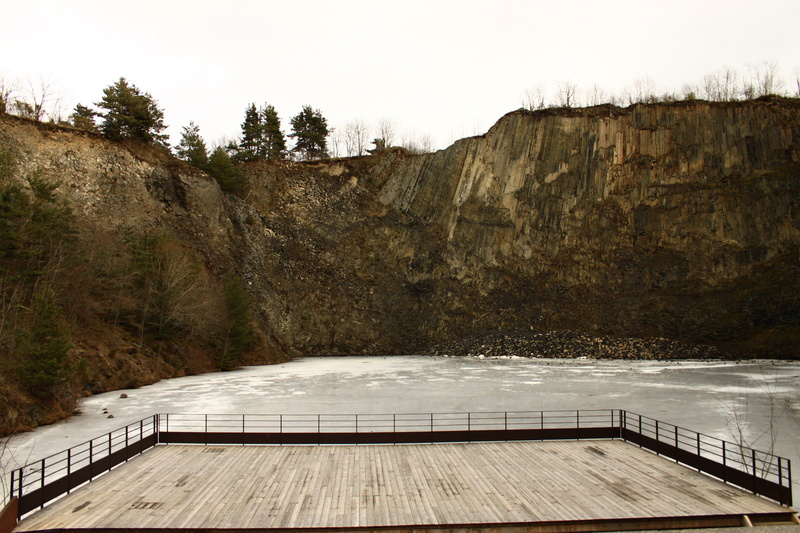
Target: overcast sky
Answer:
[[444, 68]]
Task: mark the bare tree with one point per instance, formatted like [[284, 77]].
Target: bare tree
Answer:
[[765, 80], [336, 142], [722, 86], [8, 88], [39, 96], [426, 144], [356, 138], [566, 93], [387, 131], [534, 98], [688, 92], [596, 95], [418, 144], [644, 91], [797, 81]]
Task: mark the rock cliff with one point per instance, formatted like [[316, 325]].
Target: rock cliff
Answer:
[[667, 220]]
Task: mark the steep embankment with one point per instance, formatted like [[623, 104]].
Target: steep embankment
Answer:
[[128, 266]]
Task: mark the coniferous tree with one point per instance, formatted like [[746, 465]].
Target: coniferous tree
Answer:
[[251, 145], [84, 118], [274, 141], [310, 131], [131, 114], [222, 167], [192, 147]]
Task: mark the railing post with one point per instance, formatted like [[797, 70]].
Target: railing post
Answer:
[[91, 459], [42, 483], [505, 420], [431, 422], [318, 424], [109, 451], [780, 472], [11, 488], [657, 441], [394, 423], [69, 471], [541, 419], [724, 455], [469, 421], [127, 451], [21, 477], [753, 455], [356, 423]]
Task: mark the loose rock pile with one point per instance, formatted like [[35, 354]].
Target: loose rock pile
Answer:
[[571, 345]]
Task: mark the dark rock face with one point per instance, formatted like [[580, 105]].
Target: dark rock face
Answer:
[[676, 221]]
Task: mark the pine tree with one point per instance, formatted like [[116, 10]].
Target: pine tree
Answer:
[[274, 141], [240, 333], [84, 118], [131, 114], [310, 131], [251, 145], [223, 169], [192, 147]]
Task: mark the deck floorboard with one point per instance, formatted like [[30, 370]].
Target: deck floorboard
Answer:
[[259, 487]]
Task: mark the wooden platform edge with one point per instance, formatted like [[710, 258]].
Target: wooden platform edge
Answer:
[[8, 516], [567, 526]]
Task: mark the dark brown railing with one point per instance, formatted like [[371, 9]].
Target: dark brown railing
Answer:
[[37, 483]]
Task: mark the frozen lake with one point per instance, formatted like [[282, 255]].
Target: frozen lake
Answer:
[[714, 398]]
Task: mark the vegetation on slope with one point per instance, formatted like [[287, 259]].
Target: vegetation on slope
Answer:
[[68, 289]]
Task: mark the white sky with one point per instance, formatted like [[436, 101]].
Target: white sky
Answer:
[[444, 68]]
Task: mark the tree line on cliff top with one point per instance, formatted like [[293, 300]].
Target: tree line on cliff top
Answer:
[[126, 112], [724, 85]]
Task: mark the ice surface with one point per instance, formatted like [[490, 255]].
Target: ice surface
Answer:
[[701, 396]]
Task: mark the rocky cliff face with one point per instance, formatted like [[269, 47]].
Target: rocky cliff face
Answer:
[[678, 220], [674, 220], [656, 220]]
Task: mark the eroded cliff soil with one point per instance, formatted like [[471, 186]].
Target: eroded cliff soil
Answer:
[[669, 220]]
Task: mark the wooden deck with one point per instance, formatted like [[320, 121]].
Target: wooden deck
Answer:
[[261, 487]]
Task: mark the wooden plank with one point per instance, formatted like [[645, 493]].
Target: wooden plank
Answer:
[[240, 487]]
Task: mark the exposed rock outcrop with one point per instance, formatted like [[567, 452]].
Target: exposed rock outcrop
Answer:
[[667, 220]]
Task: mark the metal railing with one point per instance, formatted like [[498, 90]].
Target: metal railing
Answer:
[[387, 423], [758, 471], [41, 481], [37, 483]]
